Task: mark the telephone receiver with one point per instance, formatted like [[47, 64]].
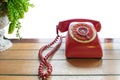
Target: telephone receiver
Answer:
[[63, 25]]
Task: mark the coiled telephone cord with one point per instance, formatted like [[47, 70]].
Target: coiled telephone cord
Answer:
[[45, 68]]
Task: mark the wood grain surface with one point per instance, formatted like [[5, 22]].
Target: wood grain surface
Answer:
[[20, 62]]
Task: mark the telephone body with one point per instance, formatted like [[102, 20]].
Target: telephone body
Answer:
[[82, 40]]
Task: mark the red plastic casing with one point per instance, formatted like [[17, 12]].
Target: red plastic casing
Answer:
[[76, 49]]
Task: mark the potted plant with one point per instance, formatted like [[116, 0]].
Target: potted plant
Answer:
[[10, 13]]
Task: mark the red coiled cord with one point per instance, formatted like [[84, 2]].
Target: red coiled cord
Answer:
[[44, 63]]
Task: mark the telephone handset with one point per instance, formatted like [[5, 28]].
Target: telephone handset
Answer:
[[81, 42], [64, 25]]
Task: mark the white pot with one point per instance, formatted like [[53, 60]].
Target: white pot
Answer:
[[4, 43]]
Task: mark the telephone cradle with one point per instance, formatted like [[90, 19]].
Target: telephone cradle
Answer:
[[81, 42]]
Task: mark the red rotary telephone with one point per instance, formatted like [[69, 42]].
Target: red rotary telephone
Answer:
[[82, 39], [81, 42]]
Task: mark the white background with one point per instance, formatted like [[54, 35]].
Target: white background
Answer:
[[41, 21]]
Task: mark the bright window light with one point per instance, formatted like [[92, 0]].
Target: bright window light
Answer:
[[41, 21]]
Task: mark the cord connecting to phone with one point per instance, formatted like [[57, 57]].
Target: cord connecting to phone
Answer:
[[45, 68]]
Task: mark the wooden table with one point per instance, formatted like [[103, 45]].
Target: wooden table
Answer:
[[20, 62]]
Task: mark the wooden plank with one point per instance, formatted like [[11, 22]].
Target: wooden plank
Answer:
[[22, 46], [37, 40], [26, 45], [106, 43], [29, 40], [63, 67], [61, 78], [19, 78], [19, 54], [60, 54]]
